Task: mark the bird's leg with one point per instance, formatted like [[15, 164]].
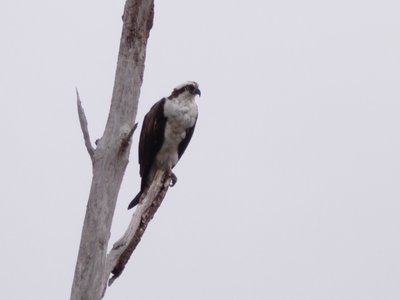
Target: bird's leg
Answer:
[[174, 179]]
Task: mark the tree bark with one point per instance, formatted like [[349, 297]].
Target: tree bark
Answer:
[[111, 156]]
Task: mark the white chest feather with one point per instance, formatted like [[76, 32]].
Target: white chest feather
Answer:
[[181, 114]]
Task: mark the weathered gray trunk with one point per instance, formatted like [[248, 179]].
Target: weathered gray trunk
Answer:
[[110, 158]]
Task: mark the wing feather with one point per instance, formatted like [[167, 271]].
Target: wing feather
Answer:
[[185, 142], [151, 139]]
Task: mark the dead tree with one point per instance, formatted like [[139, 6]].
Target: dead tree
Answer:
[[109, 161]]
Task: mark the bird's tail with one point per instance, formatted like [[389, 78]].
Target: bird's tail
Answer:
[[135, 200]]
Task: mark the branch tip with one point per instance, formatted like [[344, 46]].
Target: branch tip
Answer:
[[84, 126]]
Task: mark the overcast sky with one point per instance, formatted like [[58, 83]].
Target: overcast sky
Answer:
[[289, 189]]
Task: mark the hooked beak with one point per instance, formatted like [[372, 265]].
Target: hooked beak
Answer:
[[197, 92]]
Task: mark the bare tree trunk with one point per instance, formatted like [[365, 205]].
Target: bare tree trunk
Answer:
[[110, 158]]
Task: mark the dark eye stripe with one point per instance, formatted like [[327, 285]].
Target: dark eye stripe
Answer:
[[176, 92]]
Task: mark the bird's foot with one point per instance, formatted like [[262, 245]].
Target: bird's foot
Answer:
[[174, 179]]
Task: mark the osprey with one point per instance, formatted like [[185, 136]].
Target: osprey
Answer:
[[166, 131]]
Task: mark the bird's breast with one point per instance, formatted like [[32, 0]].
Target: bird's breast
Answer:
[[180, 117], [180, 113]]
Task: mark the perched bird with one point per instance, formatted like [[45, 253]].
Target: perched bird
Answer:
[[166, 131]]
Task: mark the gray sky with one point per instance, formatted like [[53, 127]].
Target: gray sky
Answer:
[[289, 188]]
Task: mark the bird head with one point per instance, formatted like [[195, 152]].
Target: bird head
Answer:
[[188, 89]]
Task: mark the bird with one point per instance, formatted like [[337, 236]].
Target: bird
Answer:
[[166, 132]]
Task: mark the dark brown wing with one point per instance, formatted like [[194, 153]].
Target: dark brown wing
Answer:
[[151, 139], [185, 142]]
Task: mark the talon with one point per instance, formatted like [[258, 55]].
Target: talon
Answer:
[[174, 179]]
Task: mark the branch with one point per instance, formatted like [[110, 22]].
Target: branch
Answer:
[[145, 211], [84, 127]]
